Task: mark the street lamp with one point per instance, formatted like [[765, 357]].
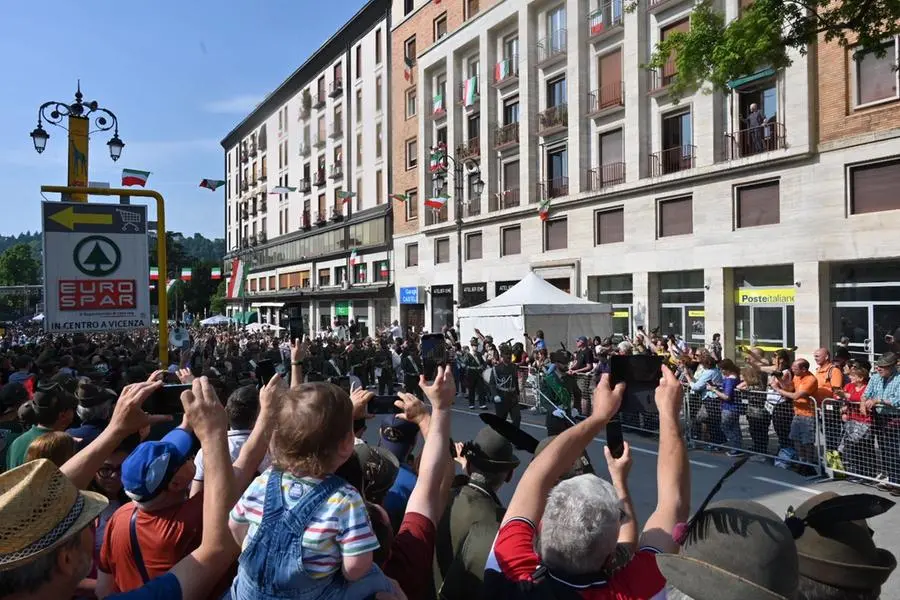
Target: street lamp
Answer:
[[81, 116], [439, 181]]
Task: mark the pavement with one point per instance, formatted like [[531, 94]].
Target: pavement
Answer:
[[773, 487]]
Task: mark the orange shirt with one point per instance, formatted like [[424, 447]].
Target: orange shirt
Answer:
[[828, 378], [803, 407]]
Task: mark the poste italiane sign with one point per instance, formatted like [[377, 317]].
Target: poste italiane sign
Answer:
[[764, 295]]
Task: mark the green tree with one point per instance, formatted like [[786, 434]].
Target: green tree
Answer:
[[18, 266], [97, 258], [217, 302], [715, 52]]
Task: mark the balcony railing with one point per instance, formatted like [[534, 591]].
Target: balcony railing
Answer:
[[254, 182], [468, 92], [433, 217], [261, 237], [555, 118], [319, 141], [263, 177], [607, 97], [245, 186], [554, 188], [336, 88], [470, 149], [506, 71], [657, 4], [304, 186], [245, 157], [253, 240], [254, 151], [606, 18], [337, 171], [337, 214], [472, 208], [305, 148], [320, 178], [337, 130], [551, 48], [672, 160], [660, 79], [245, 214], [321, 218], [319, 100], [506, 135], [605, 175], [755, 140], [306, 220], [505, 199]]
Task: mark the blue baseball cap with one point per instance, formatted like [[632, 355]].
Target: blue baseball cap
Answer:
[[147, 470], [398, 436]]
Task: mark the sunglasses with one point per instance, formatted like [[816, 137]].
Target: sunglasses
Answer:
[[108, 472]]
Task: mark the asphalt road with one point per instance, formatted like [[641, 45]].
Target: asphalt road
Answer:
[[775, 488]]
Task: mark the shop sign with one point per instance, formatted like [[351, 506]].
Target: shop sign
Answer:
[[501, 287], [696, 313], [410, 295], [442, 290], [764, 295], [342, 308], [620, 314], [475, 288]]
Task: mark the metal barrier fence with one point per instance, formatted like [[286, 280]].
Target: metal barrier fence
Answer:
[[859, 443]]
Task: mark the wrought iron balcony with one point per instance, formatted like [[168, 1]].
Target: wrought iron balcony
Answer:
[[261, 237], [303, 186], [506, 135], [554, 119], [305, 148], [337, 130], [462, 93], [336, 88], [306, 220], [320, 178], [245, 157], [607, 18], [672, 160], [508, 198], [605, 175], [245, 186], [554, 188], [607, 98], [655, 5], [254, 151], [660, 79], [470, 149], [552, 48], [263, 176], [506, 71], [319, 141], [755, 140], [337, 171], [319, 100]]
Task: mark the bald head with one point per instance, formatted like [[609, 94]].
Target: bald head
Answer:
[[822, 356]]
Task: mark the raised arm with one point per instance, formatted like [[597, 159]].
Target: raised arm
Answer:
[[254, 450], [673, 475], [299, 352]]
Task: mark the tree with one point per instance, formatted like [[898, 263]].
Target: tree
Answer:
[[217, 302], [97, 258], [19, 267], [716, 52]]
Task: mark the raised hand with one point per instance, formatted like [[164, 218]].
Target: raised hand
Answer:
[[413, 408], [204, 411], [606, 400], [442, 391], [129, 416]]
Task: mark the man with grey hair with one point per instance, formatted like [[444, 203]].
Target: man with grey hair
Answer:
[[94, 409], [588, 534]]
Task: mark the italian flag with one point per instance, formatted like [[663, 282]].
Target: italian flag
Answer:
[[436, 203], [354, 258], [236, 283], [154, 273], [170, 285], [134, 177], [438, 103], [544, 209], [383, 269], [408, 70], [437, 160], [186, 274], [501, 70], [215, 273], [211, 184], [400, 197], [345, 196], [470, 90]]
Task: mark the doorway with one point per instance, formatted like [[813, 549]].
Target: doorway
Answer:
[[770, 327], [871, 328]]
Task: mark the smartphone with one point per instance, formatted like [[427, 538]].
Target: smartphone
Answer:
[[343, 383], [264, 370], [614, 439], [167, 399], [433, 353], [383, 405], [641, 374]]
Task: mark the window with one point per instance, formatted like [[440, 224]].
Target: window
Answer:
[[359, 106], [471, 9], [320, 129], [412, 255], [440, 135], [511, 175], [472, 68], [379, 188], [407, 7], [382, 271], [556, 234], [340, 275], [558, 172], [873, 187], [338, 73], [676, 217], [757, 204], [473, 127], [359, 152], [409, 49], [358, 61], [611, 147], [669, 70], [556, 91], [320, 89], [360, 273], [610, 226], [877, 78], [378, 140], [322, 207], [511, 111], [359, 194], [324, 277], [441, 251], [412, 153], [412, 205], [440, 27], [410, 103], [511, 240], [556, 30], [473, 246], [378, 93], [378, 46]]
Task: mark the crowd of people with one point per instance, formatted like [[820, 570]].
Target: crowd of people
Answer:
[[265, 489]]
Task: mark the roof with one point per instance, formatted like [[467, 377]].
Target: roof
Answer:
[[357, 26], [533, 289]]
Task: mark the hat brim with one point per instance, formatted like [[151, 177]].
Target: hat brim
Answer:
[[696, 578], [94, 504], [845, 575]]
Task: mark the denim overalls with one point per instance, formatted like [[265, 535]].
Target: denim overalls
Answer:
[[271, 567]]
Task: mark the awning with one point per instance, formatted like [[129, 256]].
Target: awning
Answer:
[[736, 83], [245, 318]]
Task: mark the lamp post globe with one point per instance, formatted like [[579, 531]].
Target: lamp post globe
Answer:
[[39, 136], [115, 147]]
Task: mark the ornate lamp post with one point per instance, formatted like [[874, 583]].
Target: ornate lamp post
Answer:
[[80, 117]]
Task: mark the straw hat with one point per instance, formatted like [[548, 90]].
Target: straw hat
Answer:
[[39, 510]]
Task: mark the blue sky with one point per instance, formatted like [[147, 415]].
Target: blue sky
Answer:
[[179, 76]]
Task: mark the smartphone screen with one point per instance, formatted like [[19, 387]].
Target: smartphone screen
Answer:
[[167, 399], [433, 353], [383, 405], [641, 374], [614, 439], [265, 370]]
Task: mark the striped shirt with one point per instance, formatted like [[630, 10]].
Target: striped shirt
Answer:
[[339, 528]]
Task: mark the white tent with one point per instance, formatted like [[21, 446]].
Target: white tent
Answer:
[[534, 304], [217, 320]]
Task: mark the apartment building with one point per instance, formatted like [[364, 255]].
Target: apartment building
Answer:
[[694, 216], [318, 249]]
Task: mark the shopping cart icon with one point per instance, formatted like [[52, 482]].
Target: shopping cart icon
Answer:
[[129, 219]]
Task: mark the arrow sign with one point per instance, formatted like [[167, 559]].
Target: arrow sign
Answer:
[[68, 218]]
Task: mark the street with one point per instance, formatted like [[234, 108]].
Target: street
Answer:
[[775, 488]]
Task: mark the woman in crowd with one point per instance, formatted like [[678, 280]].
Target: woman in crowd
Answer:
[[858, 442], [56, 446]]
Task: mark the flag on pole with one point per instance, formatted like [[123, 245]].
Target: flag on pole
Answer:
[[170, 285], [154, 273], [212, 184], [383, 269], [438, 103], [408, 70], [345, 196], [354, 258], [437, 159], [186, 274], [134, 177], [470, 90], [215, 273], [236, 283], [400, 197], [501, 70], [437, 202], [544, 209], [282, 189]]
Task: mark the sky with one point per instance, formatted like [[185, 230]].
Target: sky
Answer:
[[179, 75]]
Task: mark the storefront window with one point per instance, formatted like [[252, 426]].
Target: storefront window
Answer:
[[764, 307], [361, 316], [441, 306], [474, 294], [865, 299], [617, 291], [342, 312], [682, 312], [324, 315]]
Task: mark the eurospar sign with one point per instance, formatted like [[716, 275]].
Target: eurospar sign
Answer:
[[95, 267]]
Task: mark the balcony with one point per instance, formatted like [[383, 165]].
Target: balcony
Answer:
[[262, 205], [660, 79], [245, 215], [254, 151], [253, 210], [336, 214], [306, 220], [554, 119], [261, 237], [337, 171], [245, 186], [304, 186], [672, 160], [506, 72], [655, 5], [263, 177], [506, 136], [607, 99], [471, 149], [605, 175], [606, 19], [245, 157], [305, 149], [505, 199], [553, 188], [321, 218], [319, 181], [254, 182], [319, 141], [336, 88], [552, 48], [755, 140], [337, 130], [471, 208], [468, 92], [319, 100]]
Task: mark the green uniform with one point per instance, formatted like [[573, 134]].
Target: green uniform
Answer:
[[16, 454]]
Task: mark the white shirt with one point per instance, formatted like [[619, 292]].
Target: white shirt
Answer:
[[396, 332], [236, 440]]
